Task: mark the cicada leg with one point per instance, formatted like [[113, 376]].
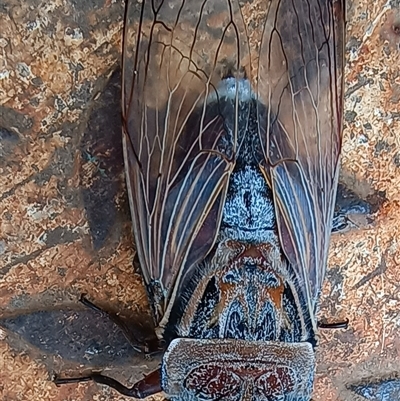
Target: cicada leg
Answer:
[[334, 325], [149, 385]]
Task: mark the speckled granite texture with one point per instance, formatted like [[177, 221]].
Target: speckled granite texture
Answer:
[[65, 225]]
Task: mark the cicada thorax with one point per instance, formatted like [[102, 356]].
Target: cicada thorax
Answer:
[[211, 370], [246, 292]]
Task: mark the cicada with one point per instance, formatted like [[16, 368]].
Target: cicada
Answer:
[[232, 138]]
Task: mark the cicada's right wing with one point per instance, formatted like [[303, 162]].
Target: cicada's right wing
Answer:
[[178, 153], [300, 78]]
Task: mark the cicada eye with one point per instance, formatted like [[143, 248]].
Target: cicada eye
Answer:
[[212, 382], [274, 384]]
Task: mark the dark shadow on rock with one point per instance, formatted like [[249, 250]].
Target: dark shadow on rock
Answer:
[[13, 128], [78, 339], [352, 211], [102, 168]]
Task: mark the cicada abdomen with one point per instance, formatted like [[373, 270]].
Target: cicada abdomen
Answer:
[[232, 157]]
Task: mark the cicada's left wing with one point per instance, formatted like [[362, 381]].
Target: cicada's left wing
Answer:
[[300, 79], [178, 152]]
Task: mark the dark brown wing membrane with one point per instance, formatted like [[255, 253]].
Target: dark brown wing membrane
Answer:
[[178, 155], [300, 78]]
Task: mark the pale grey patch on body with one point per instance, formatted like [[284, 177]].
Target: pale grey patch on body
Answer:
[[249, 214], [232, 87]]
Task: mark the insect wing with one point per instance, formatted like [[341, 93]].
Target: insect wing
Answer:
[[178, 154], [300, 79]]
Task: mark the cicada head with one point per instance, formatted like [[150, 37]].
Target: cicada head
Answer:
[[237, 370]]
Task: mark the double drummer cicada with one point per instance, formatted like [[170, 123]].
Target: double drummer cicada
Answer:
[[231, 146]]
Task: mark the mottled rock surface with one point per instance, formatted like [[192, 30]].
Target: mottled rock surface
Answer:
[[65, 226]]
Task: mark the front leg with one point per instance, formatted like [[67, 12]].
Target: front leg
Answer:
[[149, 385]]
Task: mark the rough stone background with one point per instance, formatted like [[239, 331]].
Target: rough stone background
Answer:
[[65, 226]]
